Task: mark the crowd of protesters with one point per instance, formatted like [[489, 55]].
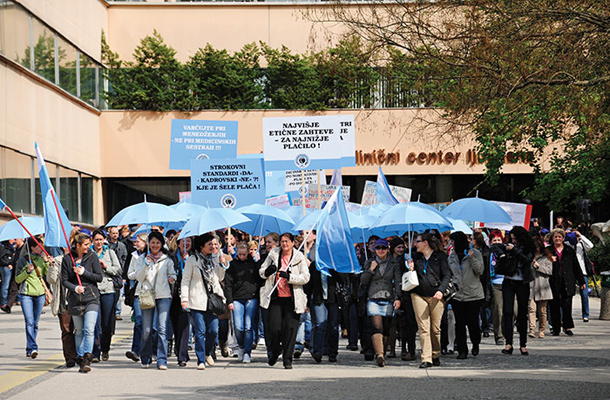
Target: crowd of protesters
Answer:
[[226, 292]]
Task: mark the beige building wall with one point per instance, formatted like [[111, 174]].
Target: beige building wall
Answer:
[[79, 21], [402, 141], [187, 27]]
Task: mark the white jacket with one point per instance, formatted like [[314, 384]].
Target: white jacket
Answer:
[[299, 276], [582, 245], [131, 271], [192, 290], [162, 270]]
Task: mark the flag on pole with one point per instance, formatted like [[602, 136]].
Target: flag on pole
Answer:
[[334, 244], [382, 191], [336, 179], [2, 205], [54, 214]]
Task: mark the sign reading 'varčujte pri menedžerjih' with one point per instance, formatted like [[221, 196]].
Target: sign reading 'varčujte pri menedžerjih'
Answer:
[[316, 142], [195, 139]]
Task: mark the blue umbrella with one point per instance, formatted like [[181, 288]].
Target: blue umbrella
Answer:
[[460, 226], [308, 222], [145, 213], [264, 220], [408, 217], [360, 226], [188, 210], [145, 228], [211, 220], [12, 229], [296, 212], [477, 209]]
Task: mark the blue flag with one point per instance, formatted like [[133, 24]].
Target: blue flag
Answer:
[[54, 214], [334, 244], [382, 191], [2, 205], [336, 179]]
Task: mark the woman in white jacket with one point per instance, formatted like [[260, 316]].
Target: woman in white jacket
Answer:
[[583, 245], [198, 280], [155, 271], [285, 271]]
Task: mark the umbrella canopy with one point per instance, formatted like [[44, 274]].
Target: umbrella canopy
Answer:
[[12, 229], [264, 220], [188, 210], [308, 222], [460, 226], [477, 209], [146, 228], [211, 220], [145, 213], [360, 226], [413, 216], [296, 212]]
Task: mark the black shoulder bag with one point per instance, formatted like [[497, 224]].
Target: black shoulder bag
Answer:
[[452, 287], [215, 303]]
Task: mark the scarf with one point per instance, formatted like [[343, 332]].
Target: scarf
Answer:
[[157, 257], [207, 265]]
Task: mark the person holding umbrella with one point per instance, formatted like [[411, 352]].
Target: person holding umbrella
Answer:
[[285, 271], [198, 280], [31, 268], [155, 271], [80, 274]]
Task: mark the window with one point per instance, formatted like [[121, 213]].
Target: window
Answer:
[[16, 180], [87, 198], [88, 72], [67, 58], [15, 33], [68, 192], [44, 51]]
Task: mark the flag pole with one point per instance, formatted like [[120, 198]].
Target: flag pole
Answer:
[[303, 190], [63, 229], [27, 230], [319, 191]]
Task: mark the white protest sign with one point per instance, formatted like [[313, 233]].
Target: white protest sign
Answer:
[[519, 212], [294, 179], [315, 142], [402, 194], [281, 201], [326, 193]]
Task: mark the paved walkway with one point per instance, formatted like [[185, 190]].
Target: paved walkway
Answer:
[[561, 367]]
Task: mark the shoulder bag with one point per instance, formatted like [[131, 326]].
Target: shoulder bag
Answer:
[[147, 296], [452, 287], [48, 296], [215, 303]]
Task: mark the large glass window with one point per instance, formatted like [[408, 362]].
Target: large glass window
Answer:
[[68, 186], [15, 33], [67, 55], [44, 51], [87, 198], [16, 180], [87, 80]]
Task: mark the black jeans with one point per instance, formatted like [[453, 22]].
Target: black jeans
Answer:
[[182, 324], [561, 311], [466, 315], [521, 290], [407, 324], [283, 324]]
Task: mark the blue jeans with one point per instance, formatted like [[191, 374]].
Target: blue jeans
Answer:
[[5, 277], [136, 342], [325, 329], [304, 332], [84, 332], [205, 325], [31, 307], [584, 299], [148, 319], [243, 317], [105, 325]]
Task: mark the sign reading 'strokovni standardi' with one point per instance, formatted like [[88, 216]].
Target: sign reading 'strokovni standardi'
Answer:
[[194, 139], [227, 183], [314, 142]]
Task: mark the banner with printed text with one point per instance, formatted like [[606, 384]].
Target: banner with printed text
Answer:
[[402, 194], [227, 183], [315, 142], [195, 139]]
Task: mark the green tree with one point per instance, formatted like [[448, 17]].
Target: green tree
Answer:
[[44, 56], [523, 75]]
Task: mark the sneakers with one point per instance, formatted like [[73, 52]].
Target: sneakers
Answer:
[[105, 357], [132, 356], [144, 366], [34, 354], [240, 355], [162, 367], [247, 359], [201, 366], [209, 360]]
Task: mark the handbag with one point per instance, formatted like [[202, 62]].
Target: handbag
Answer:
[[409, 281], [215, 303], [147, 296], [452, 287], [48, 295]]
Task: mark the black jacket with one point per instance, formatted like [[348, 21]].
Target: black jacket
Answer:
[[314, 290], [383, 287], [242, 281], [566, 273], [437, 274], [78, 303]]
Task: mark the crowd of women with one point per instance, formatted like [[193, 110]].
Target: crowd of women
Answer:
[[209, 289]]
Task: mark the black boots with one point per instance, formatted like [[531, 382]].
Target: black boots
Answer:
[[85, 363]]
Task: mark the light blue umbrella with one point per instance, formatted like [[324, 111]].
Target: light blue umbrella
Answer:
[[296, 212], [212, 219], [264, 220], [410, 217], [145, 213], [145, 228], [360, 226], [460, 226], [308, 222], [188, 210], [477, 209], [12, 229]]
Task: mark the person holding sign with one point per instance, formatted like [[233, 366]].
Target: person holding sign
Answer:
[[285, 271]]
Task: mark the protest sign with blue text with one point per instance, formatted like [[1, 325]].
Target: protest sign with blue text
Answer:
[[315, 142], [195, 139], [227, 183]]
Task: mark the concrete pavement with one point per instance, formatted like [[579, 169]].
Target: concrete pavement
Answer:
[[561, 367]]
